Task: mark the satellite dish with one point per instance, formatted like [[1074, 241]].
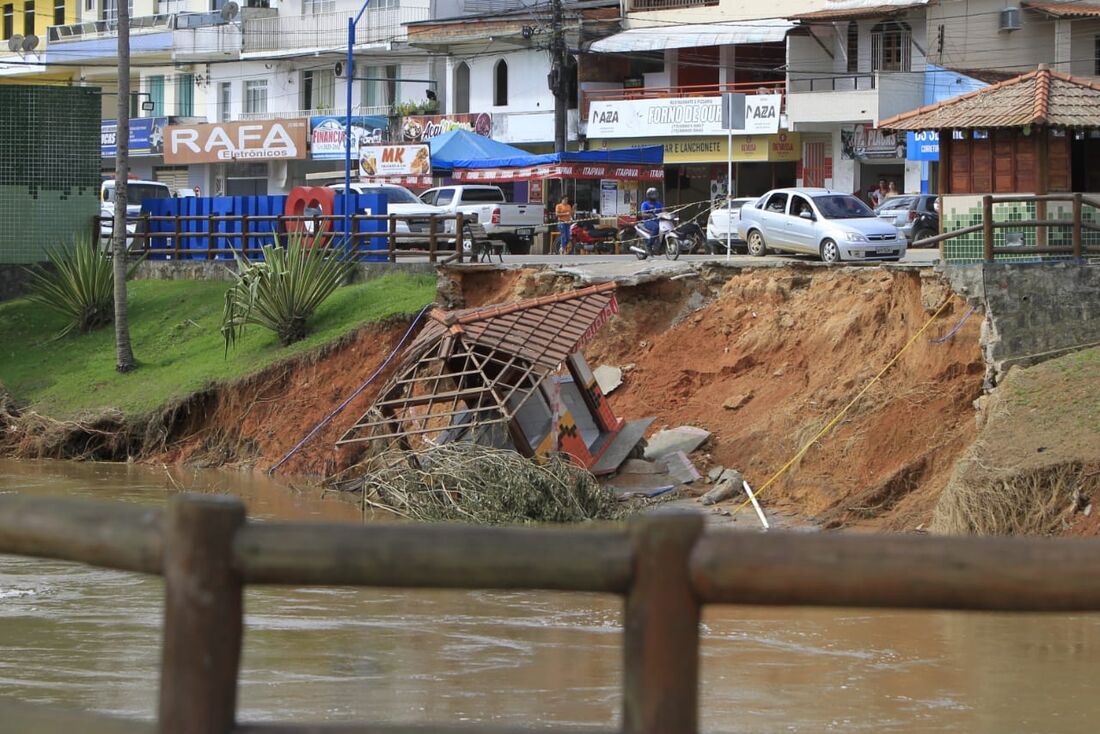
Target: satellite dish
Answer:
[[15, 43], [30, 43], [230, 11]]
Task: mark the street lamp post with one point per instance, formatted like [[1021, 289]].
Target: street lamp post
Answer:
[[349, 74]]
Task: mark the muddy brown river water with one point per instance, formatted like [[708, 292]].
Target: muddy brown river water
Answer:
[[87, 637]]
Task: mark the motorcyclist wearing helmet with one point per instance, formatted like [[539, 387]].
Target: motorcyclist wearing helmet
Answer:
[[651, 207]]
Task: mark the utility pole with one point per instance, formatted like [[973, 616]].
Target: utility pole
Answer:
[[124, 352], [559, 81]]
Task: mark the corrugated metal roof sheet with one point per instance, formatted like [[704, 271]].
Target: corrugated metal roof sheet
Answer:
[[658, 38], [1042, 97]]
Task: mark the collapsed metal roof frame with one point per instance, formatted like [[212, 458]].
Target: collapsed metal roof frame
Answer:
[[478, 367]]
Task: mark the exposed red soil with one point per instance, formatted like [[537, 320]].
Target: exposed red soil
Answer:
[[257, 421], [792, 348]]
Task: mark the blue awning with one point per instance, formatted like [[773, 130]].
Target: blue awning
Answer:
[[653, 155]]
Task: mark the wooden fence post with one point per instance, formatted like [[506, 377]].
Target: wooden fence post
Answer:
[[176, 237], [433, 239], [210, 237], [987, 228], [391, 228], [460, 235], [245, 240], [1077, 214], [203, 616], [661, 627]]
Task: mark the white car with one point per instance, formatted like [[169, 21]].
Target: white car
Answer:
[[404, 203], [723, 218]]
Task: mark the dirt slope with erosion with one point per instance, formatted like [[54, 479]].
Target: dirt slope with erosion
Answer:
[[764, 358]]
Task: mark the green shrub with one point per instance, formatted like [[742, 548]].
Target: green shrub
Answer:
[[80, 287], [284, 289]]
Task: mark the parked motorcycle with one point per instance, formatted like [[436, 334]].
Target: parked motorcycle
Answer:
[[667, 239], [586, 235]]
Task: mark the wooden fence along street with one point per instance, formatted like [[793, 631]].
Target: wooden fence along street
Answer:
[[663, 564], [212, 237]]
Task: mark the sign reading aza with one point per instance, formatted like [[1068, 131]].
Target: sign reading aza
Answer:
[[669, 117], [236, 141]]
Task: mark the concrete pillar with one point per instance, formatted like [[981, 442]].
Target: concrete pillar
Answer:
[[726, 61], [1062, 45]]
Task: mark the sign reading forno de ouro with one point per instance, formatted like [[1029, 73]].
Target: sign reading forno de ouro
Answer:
[[236, 141]]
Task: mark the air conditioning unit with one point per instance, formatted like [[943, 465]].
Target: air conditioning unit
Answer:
[[1010, 19]]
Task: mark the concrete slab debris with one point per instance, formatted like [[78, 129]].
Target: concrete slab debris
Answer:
[[715, 473], [608, 378], [728, 486], [681, 469], [641, 466], [684, 438]]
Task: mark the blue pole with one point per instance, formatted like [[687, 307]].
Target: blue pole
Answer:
[[350, 76], [348, 241]]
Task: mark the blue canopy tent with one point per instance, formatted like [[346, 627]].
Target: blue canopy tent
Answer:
[[464, 146]]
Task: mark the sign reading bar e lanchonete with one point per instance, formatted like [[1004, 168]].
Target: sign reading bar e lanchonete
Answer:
[[667, 117], [394, 160], [236, 141]]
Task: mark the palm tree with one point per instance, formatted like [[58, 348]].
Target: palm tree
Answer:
[[124, 353]]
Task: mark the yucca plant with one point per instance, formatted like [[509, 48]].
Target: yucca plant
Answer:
[[80, 287], [284, 289]]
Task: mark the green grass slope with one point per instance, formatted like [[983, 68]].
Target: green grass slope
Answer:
[[174, 326]]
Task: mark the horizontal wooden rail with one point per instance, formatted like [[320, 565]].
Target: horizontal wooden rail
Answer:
[[902, 572], [435, 556], [662, 564], [410, 729], [113, 535]]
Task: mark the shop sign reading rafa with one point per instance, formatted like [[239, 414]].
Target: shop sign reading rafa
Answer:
[[394, 160], [236, 141], [422, 128]]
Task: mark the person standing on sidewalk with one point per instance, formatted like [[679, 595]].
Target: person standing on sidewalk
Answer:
[[564, 213]]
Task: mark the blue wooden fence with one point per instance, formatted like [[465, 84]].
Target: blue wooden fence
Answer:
[[192, 215]]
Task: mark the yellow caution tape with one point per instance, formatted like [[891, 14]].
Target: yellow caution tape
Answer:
[[840, 416]]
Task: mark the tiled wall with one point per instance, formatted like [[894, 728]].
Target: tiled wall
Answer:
[[49, 168], [961, 211]]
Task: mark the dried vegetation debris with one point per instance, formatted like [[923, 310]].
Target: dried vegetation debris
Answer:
[[472, 483]]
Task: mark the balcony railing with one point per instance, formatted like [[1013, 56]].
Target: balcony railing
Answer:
[[841, 83], [383, 111], [636, 6], [103, 28], [697, 90], [329, 30]]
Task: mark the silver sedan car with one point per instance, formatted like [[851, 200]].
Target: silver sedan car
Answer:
[[832, 225]]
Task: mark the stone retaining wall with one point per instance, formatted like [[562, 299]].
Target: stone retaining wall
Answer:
[[1034, 312]]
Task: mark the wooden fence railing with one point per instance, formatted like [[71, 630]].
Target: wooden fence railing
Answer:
[[1078, 249], [663, 565], [191, 237]]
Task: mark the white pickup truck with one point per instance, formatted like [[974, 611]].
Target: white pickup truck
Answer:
[[515, 224], [137, 191]]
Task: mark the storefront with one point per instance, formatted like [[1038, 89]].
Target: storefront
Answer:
[[696, 148], [696, 169], [871, 156], [239, 158], [146, 154]]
